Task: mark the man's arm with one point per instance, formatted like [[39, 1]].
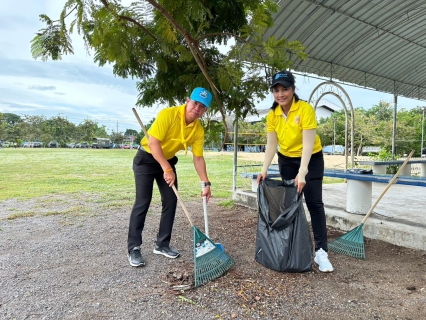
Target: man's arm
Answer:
[[200, 167], [158, 154]]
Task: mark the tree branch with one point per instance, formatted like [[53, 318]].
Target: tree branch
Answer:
[[221, 34], [196, 52], [106, 5], [139, 25]]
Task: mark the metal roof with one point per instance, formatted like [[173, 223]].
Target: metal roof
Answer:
[[375, 44]]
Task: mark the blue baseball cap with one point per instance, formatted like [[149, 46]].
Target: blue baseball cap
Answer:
[[201, 95]]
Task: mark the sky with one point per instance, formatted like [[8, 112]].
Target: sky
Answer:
[[77, 89]]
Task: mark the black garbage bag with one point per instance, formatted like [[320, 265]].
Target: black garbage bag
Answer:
[[283, 239]]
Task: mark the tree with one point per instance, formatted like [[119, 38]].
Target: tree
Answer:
[[117, 137], [213, 133], [60, 129], [130, 132], [174, 46], [3, 125], [31, 128]]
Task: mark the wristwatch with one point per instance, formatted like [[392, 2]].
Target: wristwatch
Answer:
[[208, 183]]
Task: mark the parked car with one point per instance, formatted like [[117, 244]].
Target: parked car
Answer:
[[84, 145], [70, 145], [36, 145], [95, 146], [52, 144]]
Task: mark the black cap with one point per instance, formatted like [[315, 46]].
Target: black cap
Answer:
[[284, 78]]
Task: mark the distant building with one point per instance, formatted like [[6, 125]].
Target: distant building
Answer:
[[325, 109]]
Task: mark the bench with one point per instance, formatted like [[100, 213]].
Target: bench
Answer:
[[379, 167], [253, 177], [359, 191], [359, 185]]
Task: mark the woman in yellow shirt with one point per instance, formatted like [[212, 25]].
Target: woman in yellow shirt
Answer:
[[174, 129], [291, 126]]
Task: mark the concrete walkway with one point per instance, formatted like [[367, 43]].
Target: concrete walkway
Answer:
[[399, 218]]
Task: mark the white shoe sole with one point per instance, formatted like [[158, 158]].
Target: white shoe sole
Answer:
[[165, 254], [326, 270], [135, 265]]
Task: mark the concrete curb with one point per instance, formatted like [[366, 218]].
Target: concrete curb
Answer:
[[398, 218]]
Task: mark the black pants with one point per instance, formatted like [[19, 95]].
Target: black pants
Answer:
[[289, 168], [146, 169]]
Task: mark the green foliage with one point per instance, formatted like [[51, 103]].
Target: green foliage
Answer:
[[174, 46], [374, 127], [52, 41], [213, 134], [59, 129]]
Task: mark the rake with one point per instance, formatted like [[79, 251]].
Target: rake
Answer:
[[210, 261], [352, 243], [206, 216]]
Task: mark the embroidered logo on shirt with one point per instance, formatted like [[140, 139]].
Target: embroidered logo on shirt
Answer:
[[297, 119]]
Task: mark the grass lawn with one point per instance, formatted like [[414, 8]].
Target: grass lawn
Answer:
[[105, 175], [27, 173]]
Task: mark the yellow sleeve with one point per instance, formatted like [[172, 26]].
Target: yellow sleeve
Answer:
[[161, 125], [309, 121], [270, 121]]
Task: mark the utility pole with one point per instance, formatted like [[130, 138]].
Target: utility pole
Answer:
[[334, 134], [423, 131], [395, 104]]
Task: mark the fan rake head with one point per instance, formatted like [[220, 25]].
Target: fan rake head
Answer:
[[210, 261], [350, 244]]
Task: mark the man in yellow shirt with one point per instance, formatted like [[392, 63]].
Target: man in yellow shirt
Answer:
[[174, 129]]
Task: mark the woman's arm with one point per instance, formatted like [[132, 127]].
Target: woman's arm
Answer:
[[307, 148], [270, 151]]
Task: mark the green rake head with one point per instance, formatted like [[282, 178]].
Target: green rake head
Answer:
[[210, 261], [350, 244]]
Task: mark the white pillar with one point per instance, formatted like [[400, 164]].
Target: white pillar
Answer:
[[407, 170], [422, 169], [359, 196]]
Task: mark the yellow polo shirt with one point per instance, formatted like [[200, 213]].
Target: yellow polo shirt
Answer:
[[289, 130], [171, 130]]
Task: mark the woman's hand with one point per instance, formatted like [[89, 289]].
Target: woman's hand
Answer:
[[300, 181], [261, 176]]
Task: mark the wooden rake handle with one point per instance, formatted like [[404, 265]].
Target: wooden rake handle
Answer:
[[140, 122], [183, 205], [387, 187], [173, 187]]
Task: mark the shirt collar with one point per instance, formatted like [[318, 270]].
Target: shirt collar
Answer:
[[294, 106]]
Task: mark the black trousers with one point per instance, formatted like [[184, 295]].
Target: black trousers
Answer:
[[146, 169], [289, 168]]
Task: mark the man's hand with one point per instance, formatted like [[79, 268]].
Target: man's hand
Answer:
[[207, 193], [170, 178]]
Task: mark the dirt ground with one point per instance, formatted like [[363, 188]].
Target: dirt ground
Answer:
[[75, 267]]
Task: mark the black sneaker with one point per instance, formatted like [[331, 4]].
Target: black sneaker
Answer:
[[169, 252], [135, 257]]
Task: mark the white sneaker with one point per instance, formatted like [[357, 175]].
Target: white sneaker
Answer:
[[321, 259]]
